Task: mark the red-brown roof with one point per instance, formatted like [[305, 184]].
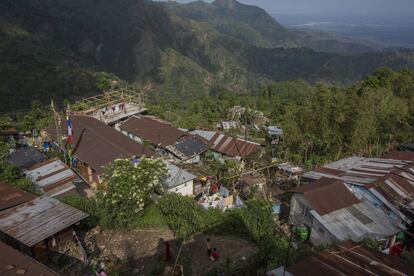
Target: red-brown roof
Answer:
[[98, 144], [155, 131], [328, 171], [327, 195], [349, 258], [11, 196], [399, 155], [14, 263], [233, 146]]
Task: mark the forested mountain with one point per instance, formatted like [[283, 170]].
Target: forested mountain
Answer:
[[253, 26], [66, 49]]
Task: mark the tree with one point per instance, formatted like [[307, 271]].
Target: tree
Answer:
[[184, 216], [127, 188]]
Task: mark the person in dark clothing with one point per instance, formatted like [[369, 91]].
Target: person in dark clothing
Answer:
[[208, 247]]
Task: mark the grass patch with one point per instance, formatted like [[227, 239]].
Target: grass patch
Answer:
[[151, 218]]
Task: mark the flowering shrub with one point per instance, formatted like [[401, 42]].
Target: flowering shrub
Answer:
[[127, 188]]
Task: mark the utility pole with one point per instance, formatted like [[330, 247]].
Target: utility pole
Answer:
[[57, 120]]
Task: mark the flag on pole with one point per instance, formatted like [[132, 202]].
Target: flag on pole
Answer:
[[70, 130]]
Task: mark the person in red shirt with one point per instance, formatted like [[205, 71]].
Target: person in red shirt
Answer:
[[215, 255]]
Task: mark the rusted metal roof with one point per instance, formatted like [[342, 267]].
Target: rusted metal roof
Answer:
[[228, 145], [11, 196], [392, 178], [349, 258], [399, 155], [98, 144], [327, 195], [14, 263], [253, 180], [38, 219], [233, 146], [156, 131]]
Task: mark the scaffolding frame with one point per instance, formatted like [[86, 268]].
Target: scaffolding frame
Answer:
[[122, 95]]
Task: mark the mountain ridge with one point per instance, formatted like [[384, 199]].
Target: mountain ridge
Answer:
[[178, 50]]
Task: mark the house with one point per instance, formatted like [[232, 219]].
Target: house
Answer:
[[274, 135], [290, 171], [249, 182], [228, 146], [14, 263], [53, 178], [25, 158], [228, 125], [347, 258], [179, 180], [333, 213], [95, 145], [386, 182], [236, 112], [260, 121], [11, 196], [180, 145], [35, 225]]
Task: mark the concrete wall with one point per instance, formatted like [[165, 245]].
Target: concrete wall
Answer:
[[185, 189], [301, 213]]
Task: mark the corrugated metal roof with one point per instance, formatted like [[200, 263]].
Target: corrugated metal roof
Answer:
[[399, 155], [206, 134], [227, 145], [98, 144], [51, 174], [191, 145], [38, 219], [358, 222], [327, 195], [14, 263], [156, 131], [11, 196], [392, 178], [177, 176], [252, 180], [349, 258], [233, 146]]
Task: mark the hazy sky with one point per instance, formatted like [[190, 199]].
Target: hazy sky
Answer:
[[334, 6]]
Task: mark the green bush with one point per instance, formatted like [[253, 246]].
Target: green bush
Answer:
[[184, 216], [151, 218], [89, 206]]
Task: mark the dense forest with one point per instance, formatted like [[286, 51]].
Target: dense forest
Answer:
[[321, 123]]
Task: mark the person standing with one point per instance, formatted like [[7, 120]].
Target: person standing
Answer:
[[208, 247], [215, 255]]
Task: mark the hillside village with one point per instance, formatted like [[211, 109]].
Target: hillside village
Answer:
[[107, 188]]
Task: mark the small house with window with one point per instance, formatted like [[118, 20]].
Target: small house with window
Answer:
[[333, 213], [179, 180]]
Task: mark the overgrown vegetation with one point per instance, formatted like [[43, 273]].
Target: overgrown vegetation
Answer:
[[126, 189], [37, 118], [321, 123], [185, 217]]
